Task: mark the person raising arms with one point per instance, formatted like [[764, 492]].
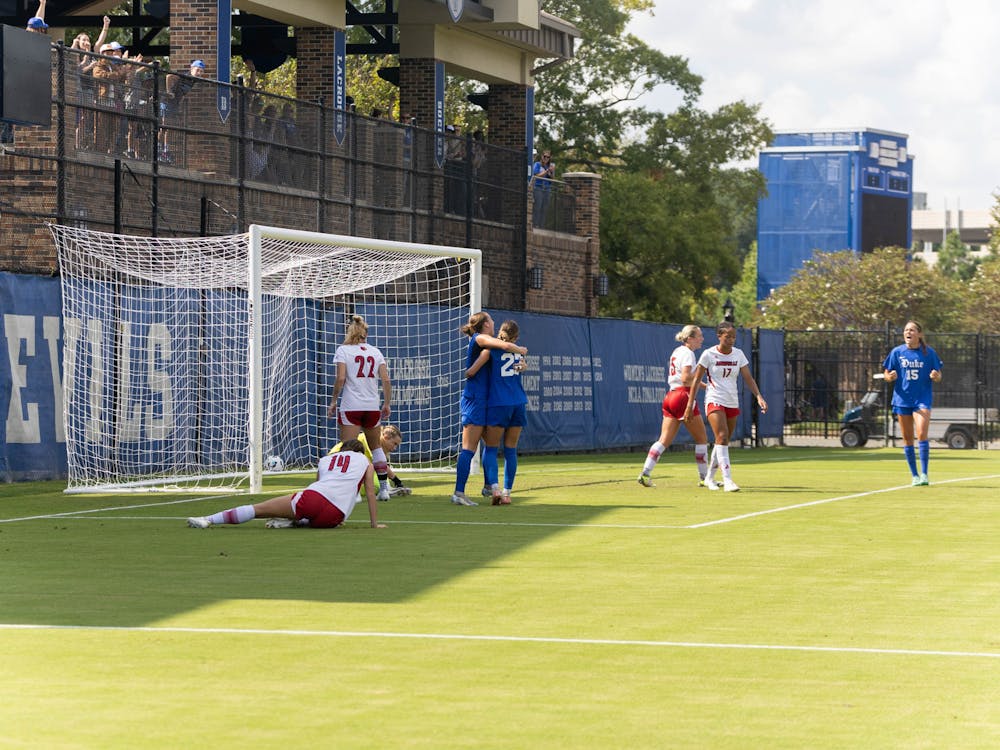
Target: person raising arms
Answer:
[[722, 364]]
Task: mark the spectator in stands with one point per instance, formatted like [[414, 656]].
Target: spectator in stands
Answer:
[[109, 76], [175, 88], [86, 85], [542, 173], [36, 23]]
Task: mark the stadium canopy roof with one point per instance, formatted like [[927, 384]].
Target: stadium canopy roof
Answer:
[[518, 25]]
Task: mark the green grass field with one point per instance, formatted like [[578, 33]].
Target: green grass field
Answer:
[[827, 605]]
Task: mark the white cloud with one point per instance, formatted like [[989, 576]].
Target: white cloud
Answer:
[[924, 68]]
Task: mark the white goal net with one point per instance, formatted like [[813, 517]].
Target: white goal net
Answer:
[[203, 362]]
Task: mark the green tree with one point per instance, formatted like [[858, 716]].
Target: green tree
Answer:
[[994, 241], [660, 264], [855, 291], [955, 259], [744, 293], [585, 105], [982, 311]]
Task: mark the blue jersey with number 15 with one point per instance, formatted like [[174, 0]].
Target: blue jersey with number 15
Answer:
[[913, 367]]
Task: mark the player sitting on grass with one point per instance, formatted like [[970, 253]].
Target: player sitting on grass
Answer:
[[324, 504]]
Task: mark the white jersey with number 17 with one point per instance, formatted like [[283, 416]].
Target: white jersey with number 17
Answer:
[[723, 371]]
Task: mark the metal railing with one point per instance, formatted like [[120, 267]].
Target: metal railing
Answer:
[[129, 157]]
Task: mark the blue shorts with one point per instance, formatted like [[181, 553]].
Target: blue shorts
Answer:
[[473, 412], [907, 411], [507, 416]]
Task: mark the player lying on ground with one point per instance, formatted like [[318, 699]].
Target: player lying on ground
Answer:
[[324, 504]]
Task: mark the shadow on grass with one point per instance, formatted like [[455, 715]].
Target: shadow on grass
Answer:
[[135, 567]]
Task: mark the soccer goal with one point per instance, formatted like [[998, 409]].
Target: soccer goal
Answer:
[[204, 362]]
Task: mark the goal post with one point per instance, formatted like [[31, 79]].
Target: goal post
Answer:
[[201, 363]]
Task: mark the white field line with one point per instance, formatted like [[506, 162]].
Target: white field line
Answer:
[[830, 500], [78, 513], [85, 514], [509, 639]]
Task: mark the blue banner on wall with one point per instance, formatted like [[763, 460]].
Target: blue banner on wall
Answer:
[[34, 445], [439, 113], [223, 45], [592, 384], [339, 86]]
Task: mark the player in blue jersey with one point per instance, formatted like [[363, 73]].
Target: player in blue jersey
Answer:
[[506, 412], [479, 329], [913, 368]]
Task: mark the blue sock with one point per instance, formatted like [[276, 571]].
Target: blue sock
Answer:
[[924, 449], [911, 458], [509, 467], [462, 469], [491, 468]]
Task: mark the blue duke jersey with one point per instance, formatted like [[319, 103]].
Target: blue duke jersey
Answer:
[[913, 385], [478, 386], [505, 379]]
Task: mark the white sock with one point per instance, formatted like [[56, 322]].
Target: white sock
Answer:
[[727, 472], [701, 460], [655, 451], [239, 514]]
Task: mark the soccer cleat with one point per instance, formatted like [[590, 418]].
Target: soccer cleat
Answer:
[[496, 494], [461, 499], [199, 522], [645, 480], [383, 494], [505, 497], [730, 486], [487, 491], [924, 481], [916, 482], [279, 523], [710, 483], [401, 490]]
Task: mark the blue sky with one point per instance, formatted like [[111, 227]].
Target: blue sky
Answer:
[[924, 67]]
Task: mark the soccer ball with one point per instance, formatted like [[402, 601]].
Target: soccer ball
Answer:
[[274, 463]]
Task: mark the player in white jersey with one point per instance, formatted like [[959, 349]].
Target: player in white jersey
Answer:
[[324, 504], [360, 369], [680, 384], [722, 364]]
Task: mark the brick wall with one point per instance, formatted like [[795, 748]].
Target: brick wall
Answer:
[[314, 73]]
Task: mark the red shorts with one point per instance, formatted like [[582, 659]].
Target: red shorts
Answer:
[[322, 514], [731, 411], [363, 419], [676, 401]]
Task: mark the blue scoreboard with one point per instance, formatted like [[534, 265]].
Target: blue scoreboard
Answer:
[[830, 190]]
